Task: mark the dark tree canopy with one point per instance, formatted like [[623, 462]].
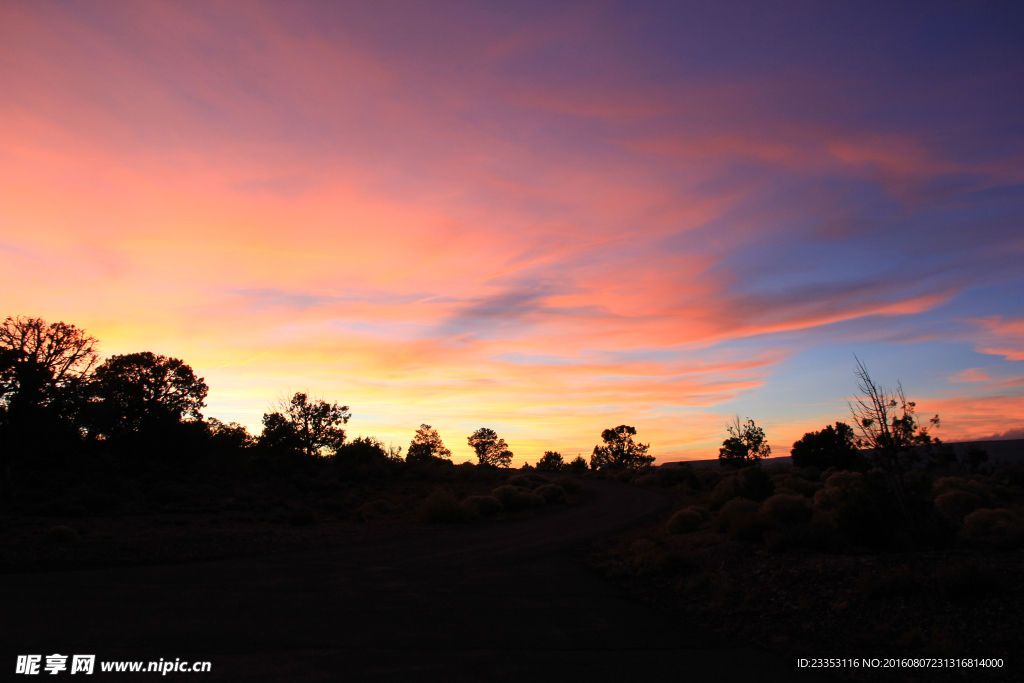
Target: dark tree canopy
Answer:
[[364, 450], [551, 462], [490, 450], [577, 464], [310, 426], [620, 451], [427, 445], [745, 445], [40, 361], [831, 447], [139, 391]]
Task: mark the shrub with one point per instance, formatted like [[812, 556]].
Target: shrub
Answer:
[[684, 521], [484, 506], [61, 534], [521, 480], [959, 504], [983, 488], [700, 510], [751, 526], [724, 491], [795, 484], [831, 447], [754, 483], [788, 509], [515, 498], [568, 484], [999, 523], [734, 508], [862, 507], [442, 507], [822, 533], [551, 494]]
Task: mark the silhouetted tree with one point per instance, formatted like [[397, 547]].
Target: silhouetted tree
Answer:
[[551, 462], [831, 447], [745, 445], [889, 427], [490, 450], [39, 361], [143, 391], [42, 369], [230, 436], [426, 445], [309, 426], [578, 464], [364, 450], [620, 450]]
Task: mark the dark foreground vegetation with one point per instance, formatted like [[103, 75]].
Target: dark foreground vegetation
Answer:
[[819, 563], [113, 461], [878, 542]]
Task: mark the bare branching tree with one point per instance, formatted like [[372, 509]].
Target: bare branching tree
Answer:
[[889, 428]]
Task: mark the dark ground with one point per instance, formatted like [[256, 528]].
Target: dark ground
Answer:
[[507, 600]]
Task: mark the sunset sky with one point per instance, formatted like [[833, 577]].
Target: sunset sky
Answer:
[[543, 218]]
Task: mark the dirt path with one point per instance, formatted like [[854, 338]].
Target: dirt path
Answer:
[[486, 602]]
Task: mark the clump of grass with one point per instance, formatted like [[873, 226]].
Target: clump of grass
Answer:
[[61, 534], [684, 521]]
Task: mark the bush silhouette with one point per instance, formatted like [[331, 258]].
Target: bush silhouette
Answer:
[[684, 521], [551, 462], [731, 510], [754, 483], [788, 509], [620, 451], [484, 506], [443, 507], [999, 524], [745, 445], [490, 450], [551, 494], [568, 484], [958, 504], [515, 498], [831, 447]]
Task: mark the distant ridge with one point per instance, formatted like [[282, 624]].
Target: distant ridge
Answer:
[[1011, 450]]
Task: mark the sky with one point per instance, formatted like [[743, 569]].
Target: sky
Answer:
[[544, 218]]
